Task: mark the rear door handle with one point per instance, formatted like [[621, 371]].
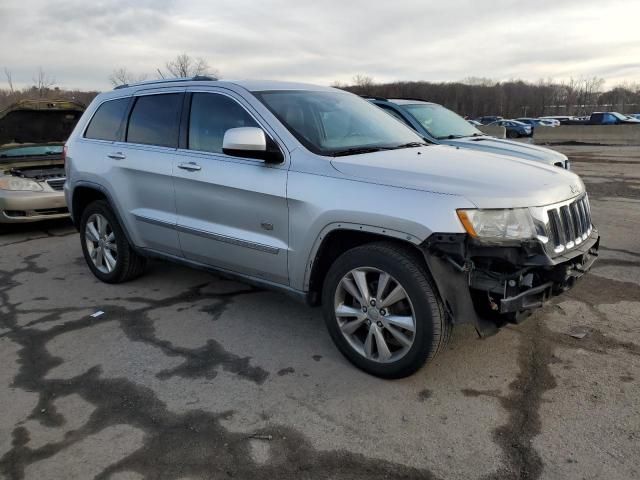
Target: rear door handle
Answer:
[[117, 156], [191, 166]]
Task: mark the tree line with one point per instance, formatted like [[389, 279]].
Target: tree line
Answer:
[[471, 97], [474, 97]]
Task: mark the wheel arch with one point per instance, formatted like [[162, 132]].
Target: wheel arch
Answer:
[[337, 238], [84, 193]]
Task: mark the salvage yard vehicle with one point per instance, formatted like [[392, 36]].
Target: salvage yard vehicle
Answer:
[[487, 119], [538, 122], [561, 119], [32, 134], [440, 125], [514, 128], [605, 118], [318, 193]]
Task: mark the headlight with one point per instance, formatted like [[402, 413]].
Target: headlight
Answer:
[[19, 184], [508, 224]]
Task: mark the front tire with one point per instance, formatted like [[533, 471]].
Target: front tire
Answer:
[[382, 311], [106, 249]]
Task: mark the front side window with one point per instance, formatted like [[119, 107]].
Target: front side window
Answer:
[[107, 122], [155, 119], [440, 122], [211, 116], [336, 123]]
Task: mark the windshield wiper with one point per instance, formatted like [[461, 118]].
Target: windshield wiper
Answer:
[[410, 145], [358, 150], [453, 137], [450, 137]]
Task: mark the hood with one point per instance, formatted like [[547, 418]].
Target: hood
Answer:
[[509, 147], [39, 121], [487, 180]]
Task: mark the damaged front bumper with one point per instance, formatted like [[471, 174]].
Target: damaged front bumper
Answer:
[[491, 285]]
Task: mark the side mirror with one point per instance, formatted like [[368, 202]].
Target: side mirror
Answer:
[[251, 142]]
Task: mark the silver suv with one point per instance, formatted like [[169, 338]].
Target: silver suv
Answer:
[[318, 193]]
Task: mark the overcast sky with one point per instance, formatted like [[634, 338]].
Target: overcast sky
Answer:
[[80, 42]]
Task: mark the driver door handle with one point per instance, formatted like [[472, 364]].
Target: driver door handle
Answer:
[[117, 156], [191, 166]]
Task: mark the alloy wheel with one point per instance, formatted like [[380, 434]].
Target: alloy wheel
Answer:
[[101, 243], [375, 315]]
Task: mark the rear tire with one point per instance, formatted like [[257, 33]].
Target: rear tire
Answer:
[[384, 341], [512, 134], [106, 250]]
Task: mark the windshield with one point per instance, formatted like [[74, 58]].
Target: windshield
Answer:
[[442, 123], [619, 116], [31, 151], [332, 122]]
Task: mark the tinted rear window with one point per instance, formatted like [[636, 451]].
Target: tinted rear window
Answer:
[[155, 119], [107, 121]]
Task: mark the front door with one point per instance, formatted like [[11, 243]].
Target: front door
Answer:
[[232, 212]]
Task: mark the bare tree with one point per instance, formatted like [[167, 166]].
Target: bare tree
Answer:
[[9, 76], [184, 66], [479, 81], [122, 76], [363, 81], [42, 81]]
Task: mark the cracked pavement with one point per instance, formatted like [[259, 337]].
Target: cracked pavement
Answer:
[[187, 375]]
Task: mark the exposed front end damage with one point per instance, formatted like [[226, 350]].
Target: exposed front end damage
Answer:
[[46, 200], [491, 285], [32, 171]]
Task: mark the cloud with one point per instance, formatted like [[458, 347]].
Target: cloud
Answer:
[[81, 42]]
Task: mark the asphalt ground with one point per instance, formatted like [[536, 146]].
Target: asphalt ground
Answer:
[[190, 376]]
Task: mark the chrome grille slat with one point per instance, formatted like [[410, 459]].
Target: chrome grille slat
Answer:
[[567, 220], [569, 224], [555, 228], [583, 219], [577, 223]]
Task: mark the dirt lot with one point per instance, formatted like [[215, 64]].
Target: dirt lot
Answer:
[[189, 376]]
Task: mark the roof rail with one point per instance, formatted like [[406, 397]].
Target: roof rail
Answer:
[[373, 97], [412, 98], [197, 78]]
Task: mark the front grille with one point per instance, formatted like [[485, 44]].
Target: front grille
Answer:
[[57, 183], [570, 224]]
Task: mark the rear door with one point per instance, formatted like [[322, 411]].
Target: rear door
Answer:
[[232, 212], [143, 169]]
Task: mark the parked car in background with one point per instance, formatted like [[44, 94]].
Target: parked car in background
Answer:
[[440, 125], [514, 128], [552, 122], [605, 118], [561, 119], [412, 239], [537, 122], [486, 120], [634, 116], [32, 135]]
